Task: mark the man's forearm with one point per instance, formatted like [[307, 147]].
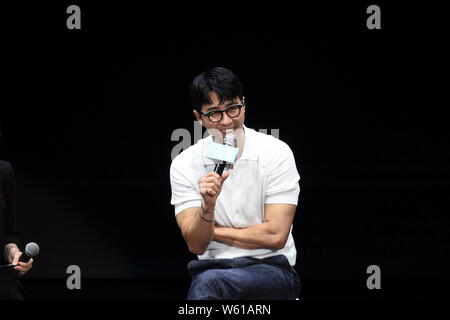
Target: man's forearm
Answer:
[[259, 236], [200, 233]]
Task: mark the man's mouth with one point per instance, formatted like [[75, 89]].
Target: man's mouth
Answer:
[[227, 131]]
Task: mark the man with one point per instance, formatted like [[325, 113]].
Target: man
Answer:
[[9, 234], [240, 223]]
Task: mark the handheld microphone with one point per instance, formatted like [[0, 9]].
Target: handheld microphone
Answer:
[[229, 140], [31, 250]]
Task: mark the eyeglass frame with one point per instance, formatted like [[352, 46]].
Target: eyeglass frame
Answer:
[[241, 105]]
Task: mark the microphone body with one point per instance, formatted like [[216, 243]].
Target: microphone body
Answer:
[[229, 140], [220, 167]]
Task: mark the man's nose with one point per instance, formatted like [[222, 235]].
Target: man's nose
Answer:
[[226, 120]]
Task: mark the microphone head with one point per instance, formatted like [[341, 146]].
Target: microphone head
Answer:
[[32, 249], [230, 140]]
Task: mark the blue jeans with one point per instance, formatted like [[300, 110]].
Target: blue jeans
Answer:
[[244, 278]]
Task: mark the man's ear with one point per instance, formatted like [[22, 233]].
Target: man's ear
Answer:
[[197, 116]]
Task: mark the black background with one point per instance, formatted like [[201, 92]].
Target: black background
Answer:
[[87, 117]]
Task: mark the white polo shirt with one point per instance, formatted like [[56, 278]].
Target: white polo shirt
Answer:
[[265, 173]]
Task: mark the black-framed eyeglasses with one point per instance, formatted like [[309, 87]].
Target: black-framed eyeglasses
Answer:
[[232, 111]]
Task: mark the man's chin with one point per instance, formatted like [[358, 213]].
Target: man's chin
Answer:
[[219, 135]]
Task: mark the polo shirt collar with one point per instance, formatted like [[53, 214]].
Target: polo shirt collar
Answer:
[[249, 152]]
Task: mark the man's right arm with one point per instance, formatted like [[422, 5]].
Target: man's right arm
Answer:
[[197, 223], [197, 233]]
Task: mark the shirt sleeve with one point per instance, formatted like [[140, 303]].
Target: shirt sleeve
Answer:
[[281, 177], [184, 192]]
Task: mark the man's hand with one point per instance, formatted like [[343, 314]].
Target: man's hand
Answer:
[[14, 255], [210, 187]]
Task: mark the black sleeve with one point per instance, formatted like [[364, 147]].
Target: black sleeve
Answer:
[[8, 189]]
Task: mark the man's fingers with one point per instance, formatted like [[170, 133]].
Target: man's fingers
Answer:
[[212, 175], [28, 264], [21, 269], [225, 175], [211, 186], [211, 180], [211, 183], [24, 267], [214, 180], [207, 191], [210, 192], [16, 258], [215, 175]]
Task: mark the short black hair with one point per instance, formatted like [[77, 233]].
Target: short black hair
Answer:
[[224, 82]]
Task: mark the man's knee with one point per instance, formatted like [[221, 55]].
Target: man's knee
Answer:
[[207, 285], [207, 278]]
